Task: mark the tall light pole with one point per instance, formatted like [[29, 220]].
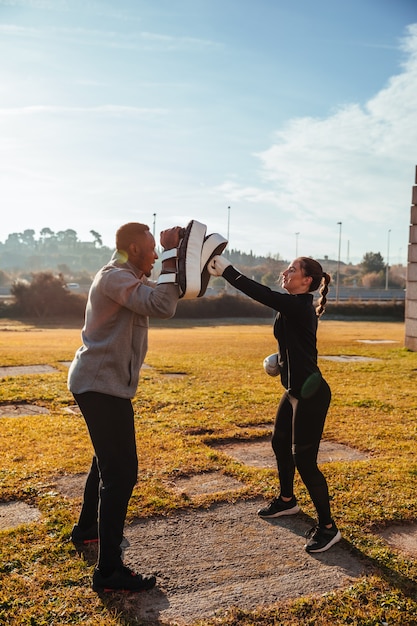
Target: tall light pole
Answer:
[[228, 223], [227, 245], [296, 244], [338, 262], [387, 264], [153, 233]]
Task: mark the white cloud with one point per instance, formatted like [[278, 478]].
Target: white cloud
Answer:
[[133, 40], [12, 30], [172, 43], [355, 165], [36, 4], [105, 109], [72, 156]]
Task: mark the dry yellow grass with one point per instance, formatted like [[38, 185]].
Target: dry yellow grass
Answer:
[[217, 389]]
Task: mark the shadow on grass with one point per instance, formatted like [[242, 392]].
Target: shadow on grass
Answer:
[[146, 608], [128, 606], [392, 575], [396, 579], [87, 553]]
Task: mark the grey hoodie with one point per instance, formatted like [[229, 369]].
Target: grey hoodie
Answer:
[[115, 332]]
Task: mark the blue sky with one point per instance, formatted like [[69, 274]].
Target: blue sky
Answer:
[[296, 115]]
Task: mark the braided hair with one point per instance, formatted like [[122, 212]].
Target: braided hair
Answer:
[[320, 280]]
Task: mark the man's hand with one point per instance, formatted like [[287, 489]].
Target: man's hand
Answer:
[[217, 265], [170, 238]]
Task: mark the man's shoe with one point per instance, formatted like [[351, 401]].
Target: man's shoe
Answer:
[[321, 538], [81, 537], [278, 507], [122, 579]]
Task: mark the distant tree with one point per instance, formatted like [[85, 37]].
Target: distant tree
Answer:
[[67, 237], [13, 240], [83, 278], [45, 296], [351, 277], [372, 262], [46, 233], [4, 278], [97, 238], [373, 280], [398, 276], [28, 237], [217, 283], [64, 269], [270, 279]]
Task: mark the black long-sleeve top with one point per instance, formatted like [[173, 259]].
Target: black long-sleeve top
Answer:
[[295, 328]]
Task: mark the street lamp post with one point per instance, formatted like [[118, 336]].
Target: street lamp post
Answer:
[[227, 245], [338, 262], [296, 244], [228, 224], [153, 233], [387, 263]]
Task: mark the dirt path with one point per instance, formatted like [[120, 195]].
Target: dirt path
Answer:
[[207, 561]]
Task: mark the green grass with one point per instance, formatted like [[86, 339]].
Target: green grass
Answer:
[[223, 393]]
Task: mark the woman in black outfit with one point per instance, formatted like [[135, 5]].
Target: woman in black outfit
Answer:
[[303, 407]]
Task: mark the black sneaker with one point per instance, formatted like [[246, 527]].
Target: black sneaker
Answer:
[[122, 579], [278, 507], [321, 538], [81, 537]]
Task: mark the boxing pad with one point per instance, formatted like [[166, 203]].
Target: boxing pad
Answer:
[[213, 244], [193, 254], [189, 260]]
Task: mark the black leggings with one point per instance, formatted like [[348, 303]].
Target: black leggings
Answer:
[[296, 438], [113, 472]]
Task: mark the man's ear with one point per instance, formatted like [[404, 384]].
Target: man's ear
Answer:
[[133, 249]]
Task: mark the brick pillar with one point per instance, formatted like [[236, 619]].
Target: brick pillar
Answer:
[[411, 292]]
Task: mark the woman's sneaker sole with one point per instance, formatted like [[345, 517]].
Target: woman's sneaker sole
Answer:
[[328, 545], [292, 511]]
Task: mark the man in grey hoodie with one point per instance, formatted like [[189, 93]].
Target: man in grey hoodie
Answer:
[[103, 378]]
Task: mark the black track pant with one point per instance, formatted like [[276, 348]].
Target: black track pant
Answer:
[[113, 472], [296, 438]]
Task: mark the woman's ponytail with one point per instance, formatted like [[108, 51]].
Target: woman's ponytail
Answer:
[[319, 280], [324, 290]]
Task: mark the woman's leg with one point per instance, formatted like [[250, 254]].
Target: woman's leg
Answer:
[[285, 503], [282, 446], [309, 418]]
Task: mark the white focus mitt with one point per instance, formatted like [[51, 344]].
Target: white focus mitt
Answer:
[[190, 258]]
